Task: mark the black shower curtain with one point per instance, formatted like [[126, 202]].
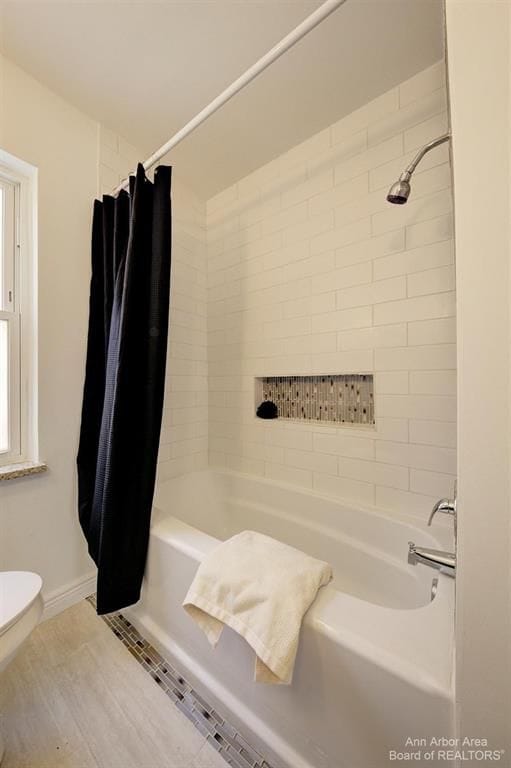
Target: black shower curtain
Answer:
[[124, 382]]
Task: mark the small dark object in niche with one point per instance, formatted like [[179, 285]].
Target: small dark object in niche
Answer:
[[267, 410]]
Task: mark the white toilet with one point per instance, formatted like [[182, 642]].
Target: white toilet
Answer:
[[21, 606]]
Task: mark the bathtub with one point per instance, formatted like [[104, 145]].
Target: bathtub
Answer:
[[375, 662]]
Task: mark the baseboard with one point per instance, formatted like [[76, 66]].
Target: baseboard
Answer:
[[65, 597]]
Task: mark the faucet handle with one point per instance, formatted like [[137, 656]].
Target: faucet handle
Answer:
[[446, 506]]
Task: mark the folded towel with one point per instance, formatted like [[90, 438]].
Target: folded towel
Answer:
[[261, 588]]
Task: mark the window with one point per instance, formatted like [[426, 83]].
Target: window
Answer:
[[17, 334]]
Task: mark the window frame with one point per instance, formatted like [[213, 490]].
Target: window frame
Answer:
[[20, 180]]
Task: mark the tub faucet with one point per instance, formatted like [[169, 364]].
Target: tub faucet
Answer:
[[447, 506], [435, 558]]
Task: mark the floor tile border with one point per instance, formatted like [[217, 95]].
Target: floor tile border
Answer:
[[223, 736]]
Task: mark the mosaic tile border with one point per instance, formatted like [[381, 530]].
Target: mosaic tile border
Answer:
[[222, 736], [346, 398]]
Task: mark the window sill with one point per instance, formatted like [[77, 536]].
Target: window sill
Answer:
[[21, 469]]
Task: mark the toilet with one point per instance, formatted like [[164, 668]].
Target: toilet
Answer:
[[21, 606]]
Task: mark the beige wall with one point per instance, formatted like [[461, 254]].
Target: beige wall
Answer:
[[478, 37], [38, 519], [75, 157], [312, 271]]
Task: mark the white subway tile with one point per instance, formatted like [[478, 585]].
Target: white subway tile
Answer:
[[267, 206], [245, 464], [344, 488], [390, 242], [289, 254], [415, 211], [374, 472], [426, 131], [224, 291], [285, 437], [324, 302], [337, 153], [343, 444], [342, 278], [289, 475], [316, 462], [419, 308], [342, 194], [439, 433], [426, 81], [338, 238], [417, 260], [433, 382], [431, 357], [360, 317], [431, 231], [410, 115], [309, 228], [294, 215], [436, 407], [372, 157], [296, 326], [391, 383], [417, 456], [309, 267], [434, 179], [405, 502], [431, 281], [307, 189], [385, 175], [290, 258], [243, 237], [395, 429], [315, 344], [309, 305], [298, 307], [429, 483], [372, 293], [442, 331], [370, 338], [356, 360], [286, 365]]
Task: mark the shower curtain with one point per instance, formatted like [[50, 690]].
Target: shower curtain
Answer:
[[124, 382]]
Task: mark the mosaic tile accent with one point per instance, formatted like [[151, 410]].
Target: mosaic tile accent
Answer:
[[227, 741], [340, 398]]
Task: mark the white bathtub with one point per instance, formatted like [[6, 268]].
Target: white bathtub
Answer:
[[375, 661]]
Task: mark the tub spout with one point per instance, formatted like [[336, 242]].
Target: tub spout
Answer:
[[435, 558]]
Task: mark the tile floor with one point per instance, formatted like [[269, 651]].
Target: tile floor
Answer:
[[74, 697]]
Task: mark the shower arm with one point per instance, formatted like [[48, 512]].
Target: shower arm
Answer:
[[407, 173]]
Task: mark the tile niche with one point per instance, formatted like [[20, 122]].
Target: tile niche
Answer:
[[346, 398]]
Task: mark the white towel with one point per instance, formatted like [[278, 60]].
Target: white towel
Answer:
[[261, 588]]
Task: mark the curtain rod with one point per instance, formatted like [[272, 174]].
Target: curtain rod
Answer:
[[287, 42]]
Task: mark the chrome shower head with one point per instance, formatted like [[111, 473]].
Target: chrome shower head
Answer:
[[400, 190]]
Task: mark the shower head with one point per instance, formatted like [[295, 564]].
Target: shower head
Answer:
[[400, 190]]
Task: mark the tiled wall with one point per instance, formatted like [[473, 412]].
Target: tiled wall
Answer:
[[184, 438], [311, 270]]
